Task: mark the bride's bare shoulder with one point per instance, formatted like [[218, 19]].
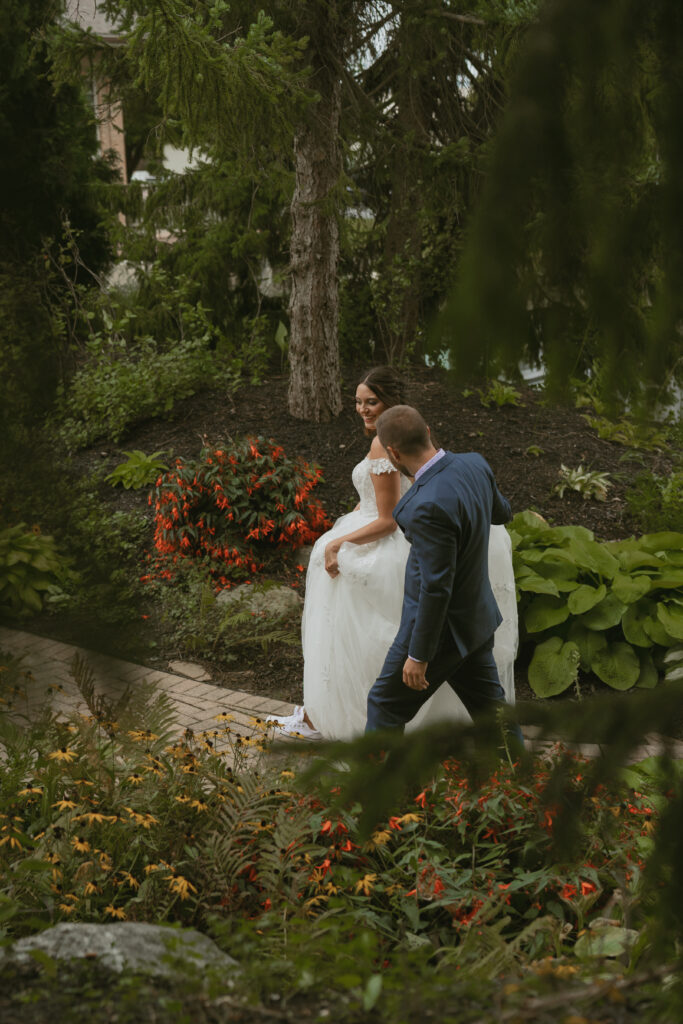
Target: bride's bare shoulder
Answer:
[[377, 451]]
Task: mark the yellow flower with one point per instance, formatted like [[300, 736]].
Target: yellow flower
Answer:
[[142, 734], [183, 799], [224, 717], [106, 862], [90, 889], [132, 882], [94, 816], [151, 867], [365, 884], [67, 908], [30, 790], [14, 843], [80, 845], [181, 886], [409, 817], [199, 805], [378, 839], [115, 912], [65, 805], [70, 896], [63, 754], [134, 779]]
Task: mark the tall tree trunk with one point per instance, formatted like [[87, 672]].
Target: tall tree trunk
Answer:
[[315, 380]]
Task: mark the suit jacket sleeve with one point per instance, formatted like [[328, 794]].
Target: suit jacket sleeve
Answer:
[[434, 541], [500, 510]]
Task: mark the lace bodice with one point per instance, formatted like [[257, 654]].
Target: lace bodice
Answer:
[[362, 481]]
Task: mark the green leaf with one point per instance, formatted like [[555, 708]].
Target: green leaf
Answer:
[[607, 940], [669, 579], [372, 991], [638, 559], [554, 667], [544, 612], [607, 613], [667, 540], [536, 584], [670, 614], [588, 641], [591, 555], [617, 664], [584, 598], [630, 588], [656, 631], [649, 676], [633, 624]]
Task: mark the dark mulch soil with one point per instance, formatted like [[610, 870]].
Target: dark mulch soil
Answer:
[[504, 436]]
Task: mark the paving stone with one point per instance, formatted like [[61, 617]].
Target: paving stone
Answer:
[[190, 669]]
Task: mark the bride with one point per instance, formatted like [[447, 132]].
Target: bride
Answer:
[[354, 593]]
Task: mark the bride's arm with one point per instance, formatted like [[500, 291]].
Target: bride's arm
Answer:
[[387, 493]]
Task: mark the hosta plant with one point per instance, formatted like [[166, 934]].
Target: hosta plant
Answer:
[[613, 609], [589, 483], [29, 566]]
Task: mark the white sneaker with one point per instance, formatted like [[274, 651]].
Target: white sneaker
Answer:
[[295, 725]]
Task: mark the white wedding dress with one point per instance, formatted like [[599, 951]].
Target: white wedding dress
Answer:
[[349, 622]]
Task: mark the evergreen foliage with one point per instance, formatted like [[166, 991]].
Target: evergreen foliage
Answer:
[[48, 177], [576, 251]]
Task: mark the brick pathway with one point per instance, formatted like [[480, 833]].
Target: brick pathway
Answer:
[[196, 703]]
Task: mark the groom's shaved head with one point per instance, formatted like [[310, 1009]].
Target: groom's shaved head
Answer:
[[401, 427]]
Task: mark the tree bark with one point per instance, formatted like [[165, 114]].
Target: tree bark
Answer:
[[315, 379]]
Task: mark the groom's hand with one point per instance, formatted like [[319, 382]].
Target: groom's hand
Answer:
[[414, 674]]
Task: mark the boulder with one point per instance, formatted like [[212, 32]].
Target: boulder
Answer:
[[125, 945], [273, 601]]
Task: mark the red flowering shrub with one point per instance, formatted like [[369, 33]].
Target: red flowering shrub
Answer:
[[233, 500]]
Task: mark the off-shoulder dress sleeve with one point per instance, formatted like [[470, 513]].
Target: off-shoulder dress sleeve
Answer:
[[378, 466]]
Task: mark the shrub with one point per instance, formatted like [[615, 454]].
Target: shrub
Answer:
[[178, 829], [235, 499], [29, 566], [121, 385], [611, 608], [656, 502]]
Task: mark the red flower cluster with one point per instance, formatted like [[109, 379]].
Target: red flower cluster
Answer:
[[233, 499]]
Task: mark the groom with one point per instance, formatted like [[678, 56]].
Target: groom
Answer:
[[449, 612]]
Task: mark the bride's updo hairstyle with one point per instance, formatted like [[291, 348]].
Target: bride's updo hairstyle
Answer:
[[387, 384]]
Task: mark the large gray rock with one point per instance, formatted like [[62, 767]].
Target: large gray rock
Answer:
[[125, 945], [275, 601]]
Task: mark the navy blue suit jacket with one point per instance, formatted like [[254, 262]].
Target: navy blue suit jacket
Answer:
[[446, 515]]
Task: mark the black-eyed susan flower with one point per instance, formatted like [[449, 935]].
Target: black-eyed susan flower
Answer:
[[65, 805], [181, 886], [130, 879], [135, 779], [90, 889], [63, 754], [80, 845], [117, 912], [30, 791]]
